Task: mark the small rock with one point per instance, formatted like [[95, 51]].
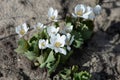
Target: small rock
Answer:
[[118, 64], [118, 3]]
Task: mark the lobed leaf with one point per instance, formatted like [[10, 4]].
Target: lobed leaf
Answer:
[[22, 46]]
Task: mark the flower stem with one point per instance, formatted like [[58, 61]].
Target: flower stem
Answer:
[[78, 22], [41, 51]]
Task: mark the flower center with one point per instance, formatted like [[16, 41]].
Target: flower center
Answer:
[[22, 31], [53, 32], [79, 13], [52, 17], [43, 44], [57, 44], [39, 27]]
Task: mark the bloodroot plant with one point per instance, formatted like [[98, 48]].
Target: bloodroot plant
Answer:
[[51, 46]]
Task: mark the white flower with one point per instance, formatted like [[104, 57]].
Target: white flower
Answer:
[[52, 14], [94, 11], [91, 16], [82, 11], [89, 13], [22, 30], [67, 29], [43, 44], [69, 40], [97, 9], [57, 43], [39, 26], [52, 30]]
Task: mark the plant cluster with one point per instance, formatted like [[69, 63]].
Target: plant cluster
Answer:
[[72, 74], [52, 45]]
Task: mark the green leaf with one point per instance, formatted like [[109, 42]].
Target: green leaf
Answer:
[[54, 66], [68, 24], [65, 74], [43, 59], [76, 76], [34, 38], [49, 59], [22, 46], [86, 34], [56, 24], [64, 77], [46, 34], [70, 19], [30, 55], [40, 59], [34, 47], [89, 23], [85, 27], [78, 41], [74, 68], [64, 58], [83, 75], [42, 65], [20, 50]]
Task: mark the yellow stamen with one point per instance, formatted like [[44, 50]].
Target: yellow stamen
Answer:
[[79, 13], [57, 44], [38, 27], [54, 32], [52, 17], [43, 44], [22, 31]]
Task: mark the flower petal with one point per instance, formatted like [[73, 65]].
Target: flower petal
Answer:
[[17, 29], [63, 51], [83, 8], [86, 15], [68, 48], [43, 43], [91, 16], [97, 9], [24, 26], [68, 27], [50, 12], [68, 35], [52, 30], [40, 24], [62, 40], [74, 15], [55, 13], [72, 39], [89, 9], [77, 8]]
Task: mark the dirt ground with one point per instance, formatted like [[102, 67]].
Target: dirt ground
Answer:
[[101, 55]]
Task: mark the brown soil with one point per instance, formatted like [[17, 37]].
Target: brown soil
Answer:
[[100, 56]]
